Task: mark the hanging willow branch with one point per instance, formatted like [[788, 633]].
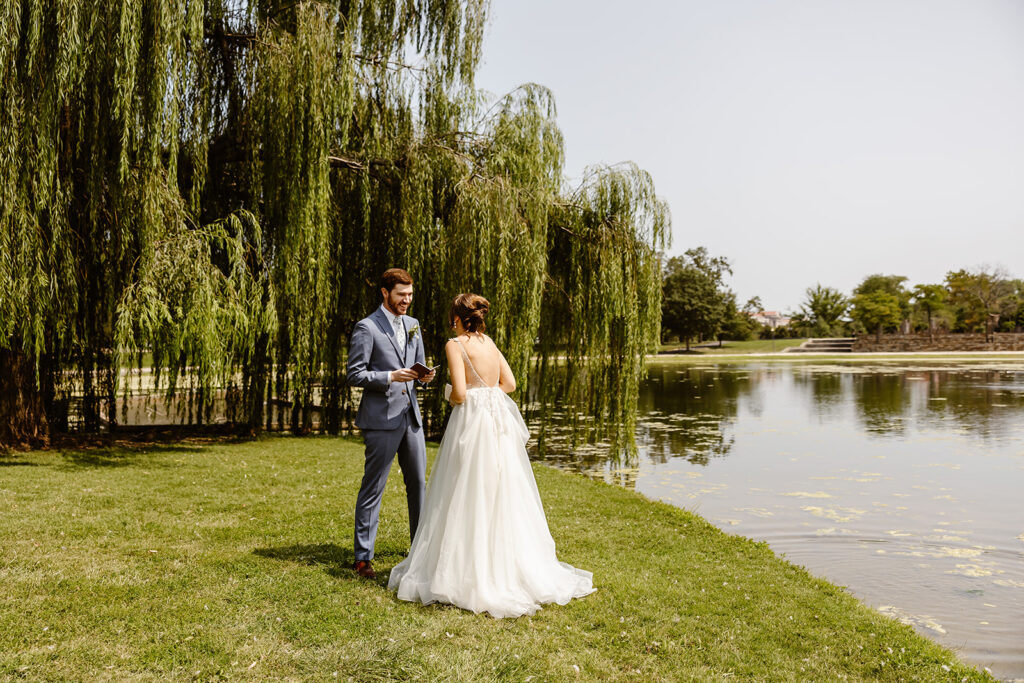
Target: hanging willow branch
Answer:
[[212, 189]]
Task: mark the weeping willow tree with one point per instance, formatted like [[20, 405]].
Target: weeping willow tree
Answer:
[[207, 192], [605, 289]]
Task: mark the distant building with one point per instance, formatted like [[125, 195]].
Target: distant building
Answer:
[[772, 319]]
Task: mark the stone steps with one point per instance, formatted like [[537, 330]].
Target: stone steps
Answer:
[[825, 345]]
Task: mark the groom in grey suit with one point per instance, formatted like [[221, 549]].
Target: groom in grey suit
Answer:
[[381, 348]]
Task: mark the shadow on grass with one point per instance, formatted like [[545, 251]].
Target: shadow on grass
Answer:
[[116, 456], [336, 560], [17, 463]]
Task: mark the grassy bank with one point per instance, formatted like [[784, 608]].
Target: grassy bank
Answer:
[[231, 560], [731, 347]]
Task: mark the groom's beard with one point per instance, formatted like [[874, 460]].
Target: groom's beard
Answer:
[[399, 305]]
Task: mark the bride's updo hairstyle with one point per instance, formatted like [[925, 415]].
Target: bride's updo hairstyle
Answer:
[[471, 310]]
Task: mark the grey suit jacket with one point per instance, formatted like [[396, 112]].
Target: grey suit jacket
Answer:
[[372, 354]]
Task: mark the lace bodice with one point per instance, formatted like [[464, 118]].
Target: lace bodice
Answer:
[[488, 399]]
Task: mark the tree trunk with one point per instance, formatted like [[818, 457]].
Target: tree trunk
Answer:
[[878, 333], [22, 409], [931, 327], [257, 388], [990, 327]]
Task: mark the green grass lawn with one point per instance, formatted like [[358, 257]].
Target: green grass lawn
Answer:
[[230, 560], [752, 346]]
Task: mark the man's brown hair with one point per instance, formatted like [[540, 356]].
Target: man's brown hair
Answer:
[[394, 276]]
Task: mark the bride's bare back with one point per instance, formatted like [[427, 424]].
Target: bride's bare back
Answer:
[[487, 366]]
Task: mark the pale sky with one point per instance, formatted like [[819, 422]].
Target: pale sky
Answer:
[[806, 141]]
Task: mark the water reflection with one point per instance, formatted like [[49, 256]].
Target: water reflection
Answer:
[[900, 481], [882, 401], [686, 412], [826, 388], [983, 402]]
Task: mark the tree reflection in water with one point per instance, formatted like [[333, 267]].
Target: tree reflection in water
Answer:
[[888, 399], [826, 388], [684, 412], [882, 402], [687, 411], [982, 401]]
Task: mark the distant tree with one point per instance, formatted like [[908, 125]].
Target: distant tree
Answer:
[[1014, 321], [877, 310], [694, 302], [800, 325], [823, 308], [889, 284], [980, 298], [738, 323], [930, 299]]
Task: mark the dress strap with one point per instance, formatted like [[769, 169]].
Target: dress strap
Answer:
[[465, 356]]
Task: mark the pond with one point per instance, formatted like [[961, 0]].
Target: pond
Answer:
[[902, 481]]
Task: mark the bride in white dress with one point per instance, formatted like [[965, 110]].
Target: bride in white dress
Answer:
[[483, 542]]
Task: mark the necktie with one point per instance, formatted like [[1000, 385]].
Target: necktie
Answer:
[[399, 334]]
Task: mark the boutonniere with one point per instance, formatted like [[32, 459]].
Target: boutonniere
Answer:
[[413, 331]]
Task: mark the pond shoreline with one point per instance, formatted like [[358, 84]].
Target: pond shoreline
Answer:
[[824, 355]]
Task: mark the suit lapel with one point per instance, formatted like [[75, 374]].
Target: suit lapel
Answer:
[[405, 326], [385, 326]]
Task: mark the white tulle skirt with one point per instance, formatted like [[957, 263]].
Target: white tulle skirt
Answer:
[[483, 542]]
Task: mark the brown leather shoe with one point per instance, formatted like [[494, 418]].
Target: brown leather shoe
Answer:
[[364, 569]]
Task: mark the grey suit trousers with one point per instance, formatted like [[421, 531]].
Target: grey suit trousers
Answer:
[[381, 447]]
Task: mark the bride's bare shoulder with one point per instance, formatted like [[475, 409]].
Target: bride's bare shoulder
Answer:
[[495, 346]]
